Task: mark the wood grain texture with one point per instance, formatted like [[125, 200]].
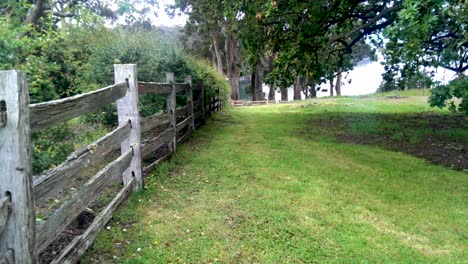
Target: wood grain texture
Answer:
[[182, 111], [186, 122], [152, 122], [127, 109], [151, 145], [54, 224], [190, 102], [44, 115], [202, 98], [53, 181], [16, 173], [181, 87], [3, 113], [154, 88], [171, 109], [5, 208], [73, 252]]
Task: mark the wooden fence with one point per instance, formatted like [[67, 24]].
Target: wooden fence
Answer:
[[22, 238]]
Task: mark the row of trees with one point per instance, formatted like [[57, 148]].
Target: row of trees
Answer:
[[304, 43], [66, 48]]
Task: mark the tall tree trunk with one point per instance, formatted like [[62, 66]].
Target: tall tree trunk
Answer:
[[232, 67], [338, 82], [271, 93], [252, 85], [331, 86], [284, 94], [214, 42], [257, 93], [213, 57], [306, 87], [297, 88], [313, 92]]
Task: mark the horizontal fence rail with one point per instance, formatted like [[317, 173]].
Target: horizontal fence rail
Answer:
[[153, 139], [73, 252], [154, 121], [44, 115], [51, 227], [49, 183]]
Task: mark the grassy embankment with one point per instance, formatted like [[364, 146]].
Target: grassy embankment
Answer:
[[266, 184]]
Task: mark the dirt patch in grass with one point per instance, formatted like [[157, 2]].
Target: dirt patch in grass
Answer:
[[439, 139]]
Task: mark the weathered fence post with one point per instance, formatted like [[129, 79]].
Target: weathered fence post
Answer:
[[127, 108], [203, 103], [218, 107], [18, 233], [171, 108], [188, 79]]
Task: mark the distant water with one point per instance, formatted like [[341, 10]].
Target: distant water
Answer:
[[365, 78]]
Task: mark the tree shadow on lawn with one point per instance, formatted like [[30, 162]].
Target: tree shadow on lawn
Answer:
[[439, 139]]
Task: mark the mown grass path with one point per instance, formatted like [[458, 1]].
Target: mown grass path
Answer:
[[258, 185]]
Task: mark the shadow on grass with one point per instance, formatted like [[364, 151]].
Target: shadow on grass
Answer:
[[439, 139]]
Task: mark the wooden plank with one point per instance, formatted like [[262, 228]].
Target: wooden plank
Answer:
[[127, 109], [49, 183], [154, 88], [181, 87], [188, 80], [184, 138], [44, 115], [157, 142], [73, 252], [3, 113], [198, 124], [184, 123], [171, 109], [152, 122], [182, 111], [17, 241], [150, 167], [248, 103], [5, 208], [54, 224], [202, 95]]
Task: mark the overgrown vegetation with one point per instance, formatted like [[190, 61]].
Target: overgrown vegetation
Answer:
[[271, 184], [65, 56]]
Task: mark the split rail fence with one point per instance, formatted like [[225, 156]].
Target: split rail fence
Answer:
[[22, 238]]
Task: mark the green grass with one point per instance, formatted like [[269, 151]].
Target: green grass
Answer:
[[259, 185]]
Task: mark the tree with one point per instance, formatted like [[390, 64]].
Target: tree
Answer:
[[429, 34]]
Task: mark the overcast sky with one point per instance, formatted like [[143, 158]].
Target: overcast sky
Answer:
[[164, 19]]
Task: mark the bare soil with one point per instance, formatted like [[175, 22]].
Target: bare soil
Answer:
[[430, 145]]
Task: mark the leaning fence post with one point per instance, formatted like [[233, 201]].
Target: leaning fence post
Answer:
[[18, 217], [171, 108], [127, 108], [188, 79]]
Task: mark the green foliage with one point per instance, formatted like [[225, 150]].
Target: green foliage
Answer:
[[202, 72], [50, 147], [446, 96], [429, 34]]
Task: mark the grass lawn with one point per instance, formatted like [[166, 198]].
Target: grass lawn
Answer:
[[268, 184]]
